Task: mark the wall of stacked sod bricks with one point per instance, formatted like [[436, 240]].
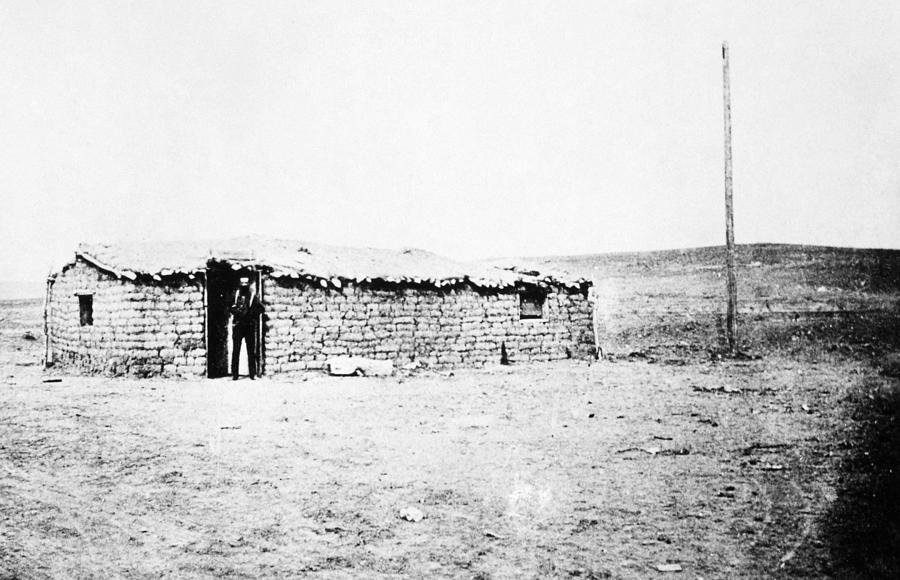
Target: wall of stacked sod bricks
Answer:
[[138, 328], [440, 327]]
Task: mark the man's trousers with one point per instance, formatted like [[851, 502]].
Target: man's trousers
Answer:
[[245, 333]]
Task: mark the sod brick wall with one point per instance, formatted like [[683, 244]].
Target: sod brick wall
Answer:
[[141, 328], [307, 324]]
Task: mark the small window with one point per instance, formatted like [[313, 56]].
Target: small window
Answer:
[[86, 309], [531, 305]]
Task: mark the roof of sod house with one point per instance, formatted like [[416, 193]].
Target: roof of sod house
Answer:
[[292, 259]]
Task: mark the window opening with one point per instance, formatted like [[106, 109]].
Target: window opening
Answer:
[[531, 305], [86, 309]]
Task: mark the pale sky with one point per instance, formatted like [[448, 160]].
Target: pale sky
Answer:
[[473, 129]]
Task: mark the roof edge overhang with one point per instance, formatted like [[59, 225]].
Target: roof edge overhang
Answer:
[[580, 285], [126, 273], [105, 267], [338, 281]]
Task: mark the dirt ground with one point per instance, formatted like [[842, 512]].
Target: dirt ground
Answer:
[[784, 466]]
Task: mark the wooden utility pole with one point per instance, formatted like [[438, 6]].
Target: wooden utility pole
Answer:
[[731, 316]]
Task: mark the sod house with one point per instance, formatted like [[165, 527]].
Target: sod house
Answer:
[[163, 308]]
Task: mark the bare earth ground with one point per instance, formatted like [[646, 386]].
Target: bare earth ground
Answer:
[[783, 466]]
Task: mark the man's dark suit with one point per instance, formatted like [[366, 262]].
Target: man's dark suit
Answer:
[[245, 318]]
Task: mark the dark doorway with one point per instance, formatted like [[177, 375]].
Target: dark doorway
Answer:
[[221, 285]]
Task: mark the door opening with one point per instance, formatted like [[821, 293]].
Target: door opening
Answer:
[[221, 286]]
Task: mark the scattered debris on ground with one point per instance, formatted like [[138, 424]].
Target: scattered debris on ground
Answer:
[[359, 366], [717, 389], [411, 514], [669, 567]]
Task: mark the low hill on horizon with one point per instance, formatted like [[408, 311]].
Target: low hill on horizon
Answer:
[[760, 268], [846, 267], [844, 298]]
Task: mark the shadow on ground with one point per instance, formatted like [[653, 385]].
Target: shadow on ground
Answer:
[[862, 529]]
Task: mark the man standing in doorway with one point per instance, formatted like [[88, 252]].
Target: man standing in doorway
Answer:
[[245, 312]]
